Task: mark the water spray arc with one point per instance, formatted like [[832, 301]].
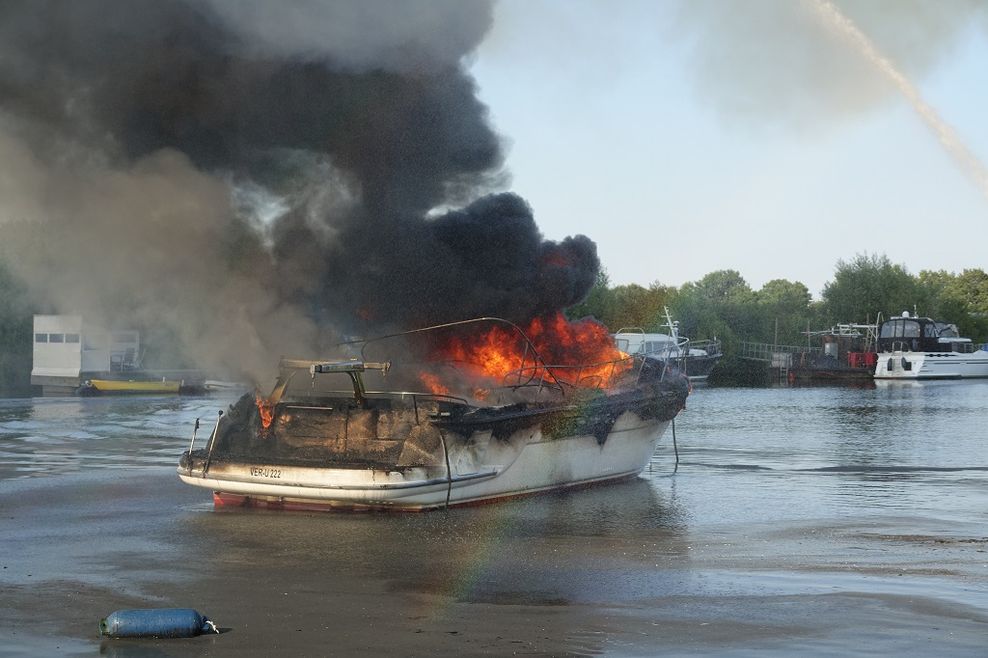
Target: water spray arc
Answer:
[[835, 20]]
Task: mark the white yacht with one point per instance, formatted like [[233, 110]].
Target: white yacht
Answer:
[[911, 347]]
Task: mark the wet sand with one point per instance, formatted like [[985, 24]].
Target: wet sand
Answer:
[[614, 570]]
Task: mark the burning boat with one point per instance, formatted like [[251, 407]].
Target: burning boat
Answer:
[[458, 414]]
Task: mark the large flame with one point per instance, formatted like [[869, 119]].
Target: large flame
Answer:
[[579, 353]]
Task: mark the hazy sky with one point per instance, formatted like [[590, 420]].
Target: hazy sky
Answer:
[[690, 137]]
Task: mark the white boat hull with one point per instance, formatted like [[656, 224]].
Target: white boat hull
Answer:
[[932, 365], [481, 468]]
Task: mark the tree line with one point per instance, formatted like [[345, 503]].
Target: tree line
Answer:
[[720, 305]]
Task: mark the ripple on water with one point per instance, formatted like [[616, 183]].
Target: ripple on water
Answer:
[[53, 436]]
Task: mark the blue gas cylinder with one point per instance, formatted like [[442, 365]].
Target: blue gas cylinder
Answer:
[[156, 622]]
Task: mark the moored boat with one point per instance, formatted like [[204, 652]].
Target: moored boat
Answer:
[[845, 356], [419, 434], [224, 386], [912, 347], [695, 359], [135, 386]]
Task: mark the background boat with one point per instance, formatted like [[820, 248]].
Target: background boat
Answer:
[[134, 386]]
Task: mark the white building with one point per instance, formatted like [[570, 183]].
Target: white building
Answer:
[[68, 351]]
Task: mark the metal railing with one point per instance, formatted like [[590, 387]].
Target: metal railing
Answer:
[[765, 351]]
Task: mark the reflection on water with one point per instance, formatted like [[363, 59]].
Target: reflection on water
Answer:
[[835, 452], [547, 549], [45, 436]]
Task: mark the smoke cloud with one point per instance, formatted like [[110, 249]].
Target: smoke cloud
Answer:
[[256, 178]]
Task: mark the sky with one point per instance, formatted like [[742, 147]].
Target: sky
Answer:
[[690, 137]]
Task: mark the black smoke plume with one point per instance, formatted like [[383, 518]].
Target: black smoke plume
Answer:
[[260, 178]]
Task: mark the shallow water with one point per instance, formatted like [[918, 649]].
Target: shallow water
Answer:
[[799, 519], [788, 454], [761, 455]]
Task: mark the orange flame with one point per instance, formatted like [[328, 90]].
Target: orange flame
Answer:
[[432, 382], [265, 409], [580, 353]]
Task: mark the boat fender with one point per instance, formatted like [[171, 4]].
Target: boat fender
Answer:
[[891, 366], [156, 622]]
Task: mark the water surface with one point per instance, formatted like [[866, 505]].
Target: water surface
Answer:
[[811, 520]]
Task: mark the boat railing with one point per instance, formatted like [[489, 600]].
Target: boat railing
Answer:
[[294, 402], [765, 351], [528, 353], [583, 375], [417, 397], [533, 371], [712, 346]]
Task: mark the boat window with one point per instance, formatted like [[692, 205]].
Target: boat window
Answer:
[[40, 338], [900, 329], [948, 330], [622, 344], [71, 338], [929, 330], [56, 338], [653, 346]]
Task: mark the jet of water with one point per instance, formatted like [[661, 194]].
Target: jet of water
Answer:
[[834, 19]]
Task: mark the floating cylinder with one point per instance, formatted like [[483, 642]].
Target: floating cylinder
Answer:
[[156, 622]]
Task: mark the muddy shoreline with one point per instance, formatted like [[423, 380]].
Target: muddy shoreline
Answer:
[[545, 576]]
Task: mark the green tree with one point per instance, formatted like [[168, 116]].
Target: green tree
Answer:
[[630, 305], [785, 294], [637, 306], [867, 285], [598, 303], [784, 308], [971, 287], [716, 306], [723, 286], [958, 298]]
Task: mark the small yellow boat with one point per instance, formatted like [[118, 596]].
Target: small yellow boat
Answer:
[[134, 386]]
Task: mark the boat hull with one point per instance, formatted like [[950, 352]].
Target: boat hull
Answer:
[[119, 386], [698, 368], [482, 469], [932, 365]]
